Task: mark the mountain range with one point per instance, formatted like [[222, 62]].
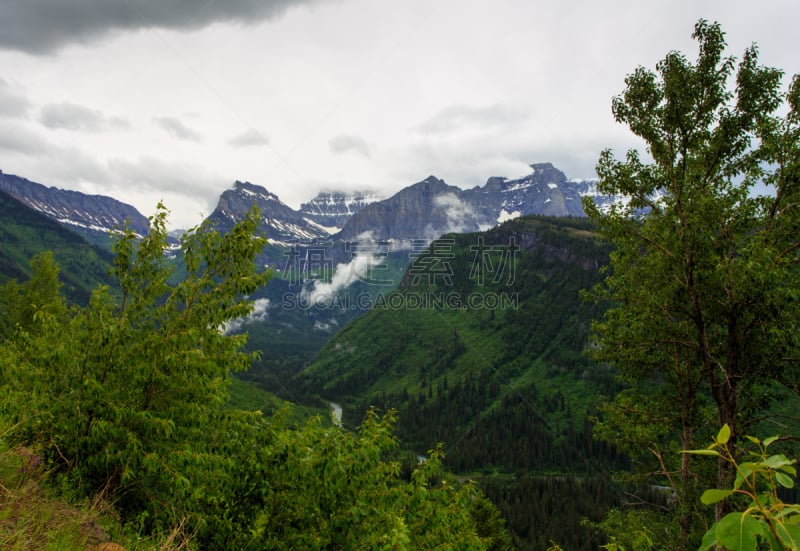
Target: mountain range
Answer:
[[424, 210], [431, 208]]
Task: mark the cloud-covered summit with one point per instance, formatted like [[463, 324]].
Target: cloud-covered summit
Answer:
[[45, 26]]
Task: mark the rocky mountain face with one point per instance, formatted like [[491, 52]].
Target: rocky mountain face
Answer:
[[91, 215], [424, 210], [333, 209], [430, 208], [545, 191], [280, 222]]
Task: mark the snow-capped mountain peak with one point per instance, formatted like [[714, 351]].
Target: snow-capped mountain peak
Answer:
[[332, 209], [280, 222]]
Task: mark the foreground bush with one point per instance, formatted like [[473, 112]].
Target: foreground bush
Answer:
[[124, 399]]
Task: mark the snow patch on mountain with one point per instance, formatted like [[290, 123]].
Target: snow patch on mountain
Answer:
[[333, 209]]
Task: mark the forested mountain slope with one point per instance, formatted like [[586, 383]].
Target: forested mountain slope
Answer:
[[446, 338], [25, 232], [482, 348]]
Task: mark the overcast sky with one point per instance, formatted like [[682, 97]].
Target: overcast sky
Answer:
[[145, 100]]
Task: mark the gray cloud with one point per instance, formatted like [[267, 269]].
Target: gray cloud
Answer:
[[71, 116], [185, 188], [45, 26], [15, 138], [249, 138], [345, 143], [460, 215], [176, 128], [464, 117], [152, 173], [13, 103], [50, 163]]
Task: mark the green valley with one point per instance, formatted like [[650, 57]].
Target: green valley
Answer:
[[482, 348]]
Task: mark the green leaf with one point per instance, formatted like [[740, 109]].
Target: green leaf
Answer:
[[709, 539], [771, 540], [777, 461], [770, 440], [724, 434], [739, 532], [784, 480], [713, 496], [702, 452], [747, 468], [790, 513], [744, 471], [789, 534]]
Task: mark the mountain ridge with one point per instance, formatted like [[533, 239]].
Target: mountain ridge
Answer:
[[94, 216], [431, 207], [25, 232], [423, 210], [331, 209], [279, 222]]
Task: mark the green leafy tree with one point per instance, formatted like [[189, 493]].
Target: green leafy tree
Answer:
[[122, 396], [24, 307], [126, 399], [332, 489], [703, 285]]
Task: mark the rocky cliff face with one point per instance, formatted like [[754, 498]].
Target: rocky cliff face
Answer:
[[91, 215], [333, 209], [424, 210], [545, 191], [431, 208]]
